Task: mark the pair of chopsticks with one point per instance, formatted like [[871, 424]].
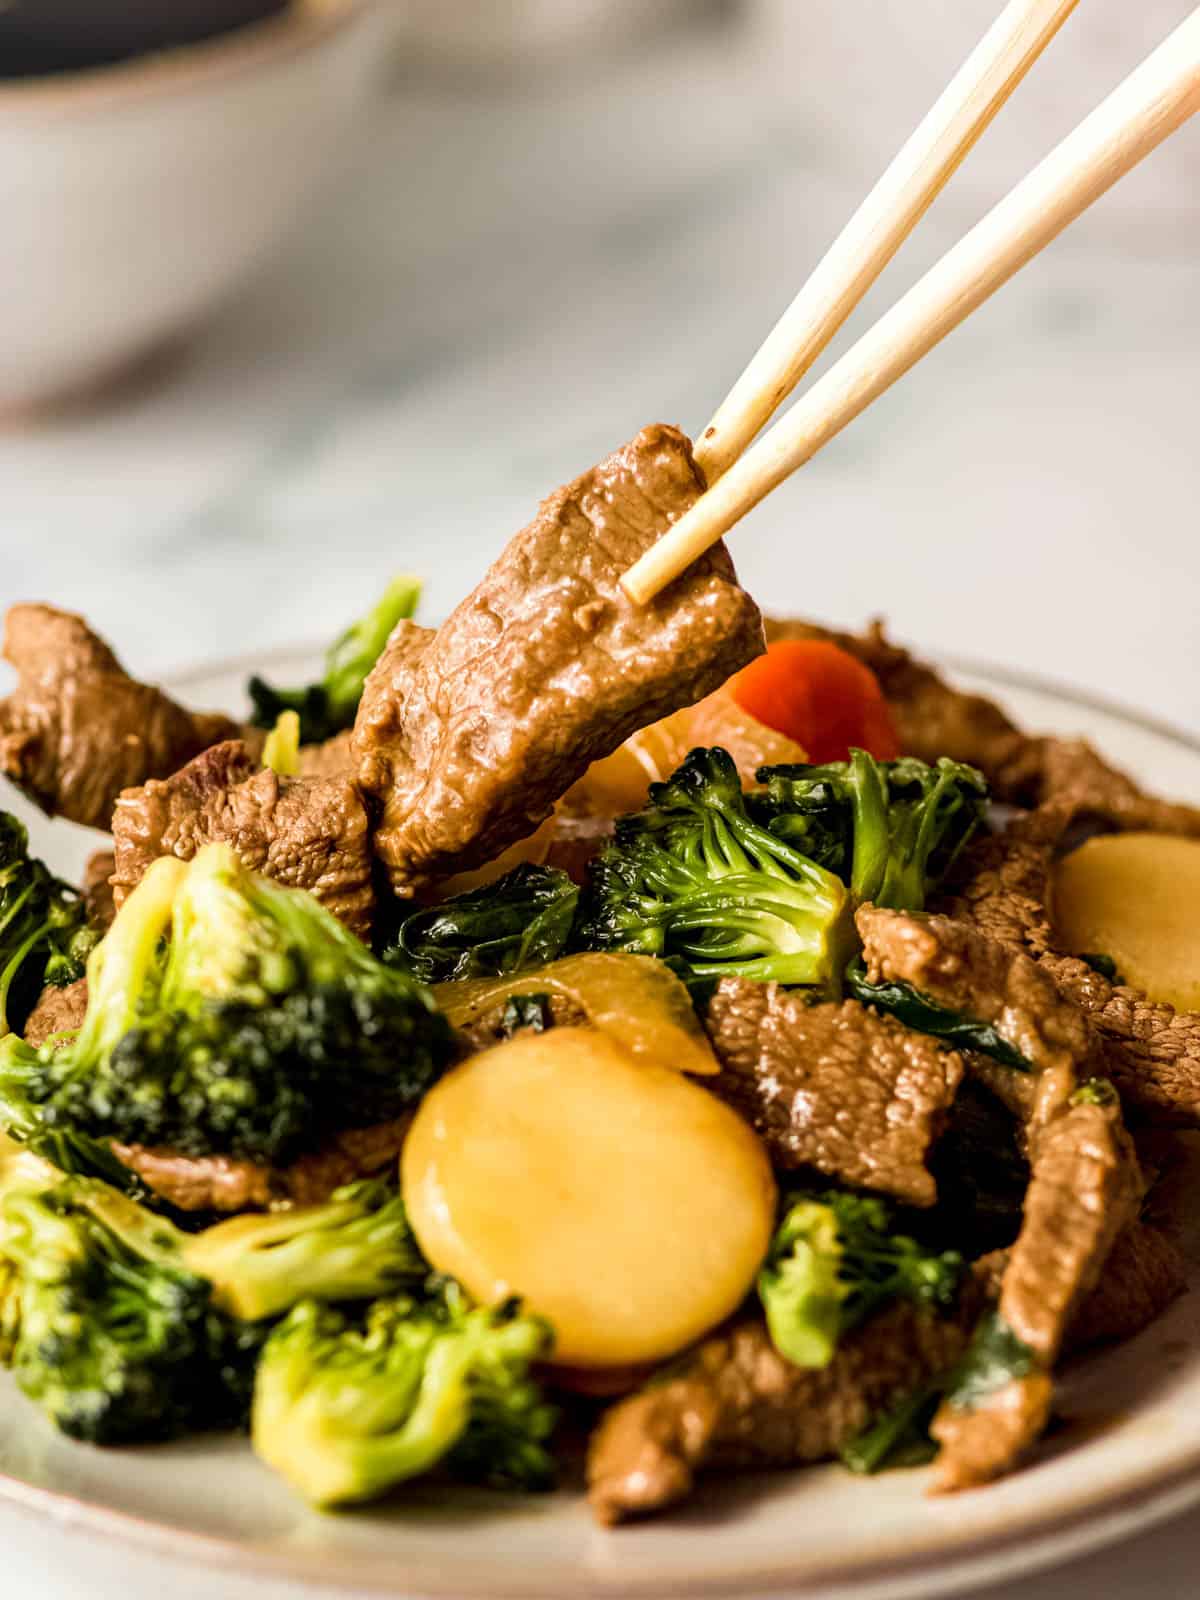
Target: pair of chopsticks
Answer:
[[1155, 100]]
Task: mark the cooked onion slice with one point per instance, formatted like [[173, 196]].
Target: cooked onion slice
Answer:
[[634, 999]]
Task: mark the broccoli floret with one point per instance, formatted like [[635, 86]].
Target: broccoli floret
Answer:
[[329, 706], [346, 1408], [10, 1310], [925, 1015], [836, 1260], [893, 828], [44, 935], [356, 1246], [695, 879], [114, 1338], [522, 920], [261, 1026]]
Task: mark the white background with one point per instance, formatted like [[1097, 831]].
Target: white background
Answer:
[[517, 270]]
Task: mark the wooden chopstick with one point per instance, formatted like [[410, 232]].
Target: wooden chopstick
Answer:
[[1155, 100], [881, 224]]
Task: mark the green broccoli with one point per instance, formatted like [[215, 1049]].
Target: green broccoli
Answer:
[[261, 1027], [10, 1310], [328, 707], [835, 1260], [346, 1408], [693, 878], [897, 826], [926, 1015], [44, 935], [522, 920], [355, 1246], [106, 1328]]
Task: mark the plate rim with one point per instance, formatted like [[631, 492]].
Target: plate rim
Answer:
[[962, 1560]]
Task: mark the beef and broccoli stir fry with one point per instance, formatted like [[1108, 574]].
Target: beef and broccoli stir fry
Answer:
[[721, 1035]]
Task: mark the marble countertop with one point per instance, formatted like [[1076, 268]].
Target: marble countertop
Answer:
[[513, 274]]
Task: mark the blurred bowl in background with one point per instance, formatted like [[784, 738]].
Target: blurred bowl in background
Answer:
[[135, 198], [39, 36]]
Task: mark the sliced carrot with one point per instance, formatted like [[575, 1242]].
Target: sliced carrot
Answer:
[[820, 696]]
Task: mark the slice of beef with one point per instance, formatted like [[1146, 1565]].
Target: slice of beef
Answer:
[[468, 737], [962, 969], [1084, 1189], [57, 1011], [1002, 888], [1144, 1272], [98, 891], [227, 1184], [332, 759], [1076, 778], [307, 833], [736, 1403], [1151, 1051], [986, 1442], [78, 729], [857, 1096], [933, 719]]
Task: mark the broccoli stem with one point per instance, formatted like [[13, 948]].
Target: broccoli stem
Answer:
[[352, 656], [122, 962]]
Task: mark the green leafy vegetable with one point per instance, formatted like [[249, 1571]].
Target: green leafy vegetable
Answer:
[[44, 936], [899, 1438], [694, 879], [345, 1408], [1104, 965], [918, 1011], [898, 825], [994, 1358], [329, 706], [520, 921], [834, 1262], [259, 1028], [356, 1246]]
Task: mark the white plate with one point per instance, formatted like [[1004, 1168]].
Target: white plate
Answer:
[[1131, 1457]]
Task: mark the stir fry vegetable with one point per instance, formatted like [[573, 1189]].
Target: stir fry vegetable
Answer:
[[347, 1408], [44, 936], [695, 878], [261, 1026], [834, 1261], [895, 828], [328, 706], [819, 695], [522, 920]]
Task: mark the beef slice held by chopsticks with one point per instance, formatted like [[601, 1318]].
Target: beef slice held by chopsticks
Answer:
[[468, 735]]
